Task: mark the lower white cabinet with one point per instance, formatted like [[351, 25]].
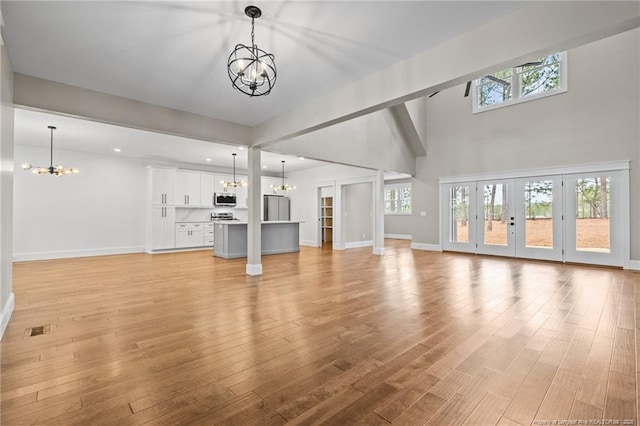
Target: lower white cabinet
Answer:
[[208, 234], [162, 228], [189, 235]]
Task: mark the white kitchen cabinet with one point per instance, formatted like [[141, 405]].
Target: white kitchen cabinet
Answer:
[[162, 228], [242, 193], [209, 234], [187, 188], [189, 235], [162, 186], [207, 189]]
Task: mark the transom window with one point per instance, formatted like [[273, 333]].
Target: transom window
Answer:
[[543, 77], [397, 198]]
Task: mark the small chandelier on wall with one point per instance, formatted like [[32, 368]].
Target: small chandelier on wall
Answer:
[[52, 170], [234, 183], [284, 187], [251, 69]]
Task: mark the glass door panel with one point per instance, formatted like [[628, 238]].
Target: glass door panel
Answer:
[[594, 217], [459, 232], [539, 218], [496, 218]]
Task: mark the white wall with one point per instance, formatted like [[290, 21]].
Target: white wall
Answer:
[[398, 224], [101, 210], [6, 187], [304, 199], [366, 141], [595, 121], [358, 209]]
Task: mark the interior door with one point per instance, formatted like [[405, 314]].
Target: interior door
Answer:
[[539, 217], [594, 218], [496, 223], [459, 230]]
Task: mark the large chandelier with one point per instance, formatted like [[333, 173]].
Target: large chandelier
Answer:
[[52, 170], [234, 183], [284, 187], [252, 70]]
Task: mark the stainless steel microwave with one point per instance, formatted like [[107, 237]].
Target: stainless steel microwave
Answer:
[[228, 200]]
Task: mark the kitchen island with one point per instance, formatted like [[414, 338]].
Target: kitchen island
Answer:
[[277, 237]]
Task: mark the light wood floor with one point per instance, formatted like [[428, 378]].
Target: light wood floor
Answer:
[[323, 337]]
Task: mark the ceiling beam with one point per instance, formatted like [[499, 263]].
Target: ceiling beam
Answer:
[[533, 31], [402, 126], [45, 95]]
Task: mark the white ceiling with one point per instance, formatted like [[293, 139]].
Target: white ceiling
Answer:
[[174, 53], [99, 138]]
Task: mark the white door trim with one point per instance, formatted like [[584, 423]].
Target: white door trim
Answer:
[[529, 173]]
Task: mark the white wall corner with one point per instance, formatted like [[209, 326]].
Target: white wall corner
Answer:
[[7, 310], [309, 243], [398, 236], [633, 265], [358, 244], [378, 251], [254, 270], [427, 247]]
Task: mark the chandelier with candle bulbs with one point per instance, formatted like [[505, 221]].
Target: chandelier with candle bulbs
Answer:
[[284, 187], [252, 70], [234, 183], [52, 170]]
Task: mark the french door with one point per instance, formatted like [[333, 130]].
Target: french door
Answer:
[[572, 218], [594, 217]]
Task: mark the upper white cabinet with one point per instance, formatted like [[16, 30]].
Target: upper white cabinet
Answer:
[[207, 189], [162, 186], [187, 188]]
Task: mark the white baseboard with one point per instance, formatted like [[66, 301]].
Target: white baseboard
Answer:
[[308, 243], [254, 269], [65, 254], [379, 251], [357, 244], [7, 310], [427, 247], [398, 236], [633, 265]]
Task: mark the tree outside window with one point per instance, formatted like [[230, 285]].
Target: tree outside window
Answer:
[[397, 199], [537, 78]]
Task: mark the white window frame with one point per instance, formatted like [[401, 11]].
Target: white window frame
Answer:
[[515, 89], [398, 187]]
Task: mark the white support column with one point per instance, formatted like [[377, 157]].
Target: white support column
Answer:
[[254, 221], [378, 213]]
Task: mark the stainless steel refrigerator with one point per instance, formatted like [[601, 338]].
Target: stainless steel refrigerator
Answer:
[[277, 207]]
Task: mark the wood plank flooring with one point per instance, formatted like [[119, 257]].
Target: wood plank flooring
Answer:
[[335, 337]]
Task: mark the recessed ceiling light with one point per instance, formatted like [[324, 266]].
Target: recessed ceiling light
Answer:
[[302, 158], [264, 167], [208, 159], [241, 148], [117, 149]]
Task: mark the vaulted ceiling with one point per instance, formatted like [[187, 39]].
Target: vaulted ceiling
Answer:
[[174, 54]]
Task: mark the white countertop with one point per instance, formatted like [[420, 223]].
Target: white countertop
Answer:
[[238, 222]]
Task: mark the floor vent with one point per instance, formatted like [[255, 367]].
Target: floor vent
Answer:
[[37, 331]]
